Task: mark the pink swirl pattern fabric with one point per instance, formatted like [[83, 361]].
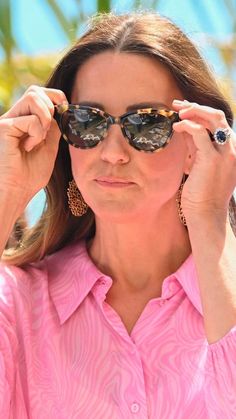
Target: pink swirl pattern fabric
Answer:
[[65, 353]]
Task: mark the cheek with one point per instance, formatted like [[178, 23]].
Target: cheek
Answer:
[[165, 169], [79, 161], [174, 155], [165, 163]]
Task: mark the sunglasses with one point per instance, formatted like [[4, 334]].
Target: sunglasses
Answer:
[[148, 130]]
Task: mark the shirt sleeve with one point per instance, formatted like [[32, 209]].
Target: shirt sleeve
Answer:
[[7, 366], [220, 384], [10, 387]]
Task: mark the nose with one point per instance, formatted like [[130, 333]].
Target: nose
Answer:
[[114, 148]]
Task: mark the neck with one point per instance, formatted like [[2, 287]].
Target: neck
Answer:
[[139, 255]]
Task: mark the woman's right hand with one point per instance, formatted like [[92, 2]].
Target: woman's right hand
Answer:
[[29, 139]]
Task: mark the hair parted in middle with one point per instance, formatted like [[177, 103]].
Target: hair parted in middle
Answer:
[[144, 33]]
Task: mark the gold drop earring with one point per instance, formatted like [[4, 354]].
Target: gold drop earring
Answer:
[[76, 202], [178, 200]]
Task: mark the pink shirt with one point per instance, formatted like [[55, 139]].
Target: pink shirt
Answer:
[[65, 353]]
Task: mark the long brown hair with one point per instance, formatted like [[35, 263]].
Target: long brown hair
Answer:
[[145, 33]]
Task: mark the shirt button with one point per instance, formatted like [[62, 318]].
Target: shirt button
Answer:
[[134, 407]]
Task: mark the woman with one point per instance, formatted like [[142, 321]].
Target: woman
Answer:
[[121, 301]]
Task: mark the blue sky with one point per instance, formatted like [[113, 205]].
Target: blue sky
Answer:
[[37, 32]]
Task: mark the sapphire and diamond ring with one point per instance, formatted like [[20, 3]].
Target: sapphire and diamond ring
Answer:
[[221, 135]]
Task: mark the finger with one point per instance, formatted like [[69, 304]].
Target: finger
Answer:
[[51, 141], [214, 118], [45, 99], [26, 104], [199, 134], [52, 138], [32, 104], [228, 146], [28, 129], [185, 105], [50, 96], [56, 96]]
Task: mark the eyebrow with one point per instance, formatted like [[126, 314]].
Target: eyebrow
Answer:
[[132, 107]]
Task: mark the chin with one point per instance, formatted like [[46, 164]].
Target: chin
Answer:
[[116, 213]]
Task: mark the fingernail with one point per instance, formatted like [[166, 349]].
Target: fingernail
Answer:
[[64, 103], [28, 148], [181, 102], [177, 101]]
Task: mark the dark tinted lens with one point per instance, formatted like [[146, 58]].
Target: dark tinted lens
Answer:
[[148, 131], [83, 127]]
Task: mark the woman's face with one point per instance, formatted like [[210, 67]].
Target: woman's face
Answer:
[[116, 81]]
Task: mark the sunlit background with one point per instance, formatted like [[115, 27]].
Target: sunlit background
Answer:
[[35, 34]]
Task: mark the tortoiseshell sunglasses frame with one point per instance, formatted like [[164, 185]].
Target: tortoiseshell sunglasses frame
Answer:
[[170, 114]]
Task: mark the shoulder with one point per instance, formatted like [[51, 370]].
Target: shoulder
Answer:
[[18, 283], [16, 286]]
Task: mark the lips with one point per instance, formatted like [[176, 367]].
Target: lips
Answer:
[[113, 180]]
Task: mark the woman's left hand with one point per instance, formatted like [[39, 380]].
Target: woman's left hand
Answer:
[[212, 177]]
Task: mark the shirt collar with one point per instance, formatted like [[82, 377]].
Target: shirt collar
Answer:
[[186, 275], [72, 274]]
